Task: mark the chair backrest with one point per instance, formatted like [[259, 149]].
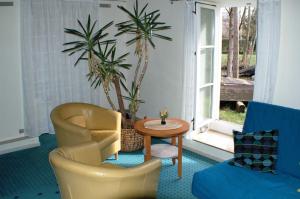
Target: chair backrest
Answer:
[[74, 168], [80, 174], [261, 116], [86, 115], [72, 122]]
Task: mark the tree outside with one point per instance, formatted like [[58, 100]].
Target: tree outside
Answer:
[[238, 55]]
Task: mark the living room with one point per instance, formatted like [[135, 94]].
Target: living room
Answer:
[[43, 93]]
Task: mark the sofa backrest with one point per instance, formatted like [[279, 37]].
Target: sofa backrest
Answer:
[[261, 116]]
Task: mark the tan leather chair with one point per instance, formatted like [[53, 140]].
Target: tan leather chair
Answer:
[[80, 174], [75, 123]]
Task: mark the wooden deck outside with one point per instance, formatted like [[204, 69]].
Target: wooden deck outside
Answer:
[[233, 89]]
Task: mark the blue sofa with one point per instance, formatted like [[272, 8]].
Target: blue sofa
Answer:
[[224, 181]]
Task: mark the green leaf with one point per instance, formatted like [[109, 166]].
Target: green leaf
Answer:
[[74, 32], [88, 25], [151, 42], [92, 29], [143, 10], [80, 58], [82, 27], [75, 48], [73, 42], [162, 37], [123, 85], [132, 41], [107, 26]]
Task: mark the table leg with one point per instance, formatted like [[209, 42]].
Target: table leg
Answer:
[[174, 143], [147, 145], [180, 156]]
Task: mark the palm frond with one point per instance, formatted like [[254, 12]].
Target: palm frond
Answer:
[[143, 24], [80, 24], [74, 32], [80, 58], [88, 38], [162, 37]]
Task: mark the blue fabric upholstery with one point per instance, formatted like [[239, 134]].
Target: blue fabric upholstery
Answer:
[[262, 116], [226, 181]]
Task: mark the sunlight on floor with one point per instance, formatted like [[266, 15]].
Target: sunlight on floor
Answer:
[[216, 139]]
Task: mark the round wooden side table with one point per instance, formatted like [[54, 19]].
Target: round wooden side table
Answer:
[[168, 133]]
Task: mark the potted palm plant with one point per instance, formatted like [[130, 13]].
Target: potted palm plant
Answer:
[[105, 67], [143, 26]]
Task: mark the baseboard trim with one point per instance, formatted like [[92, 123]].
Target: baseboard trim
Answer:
[[18, 144]]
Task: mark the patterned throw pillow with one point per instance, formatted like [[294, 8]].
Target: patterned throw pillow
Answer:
[[256, 151]]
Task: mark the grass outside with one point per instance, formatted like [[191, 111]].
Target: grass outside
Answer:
[[252, 59], [229, 115]]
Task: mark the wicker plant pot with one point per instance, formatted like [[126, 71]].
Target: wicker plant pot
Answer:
[[131, 140]]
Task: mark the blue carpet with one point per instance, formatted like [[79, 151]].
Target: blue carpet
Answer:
[[27, 174]]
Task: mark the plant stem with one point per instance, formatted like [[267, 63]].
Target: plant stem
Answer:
[[138, 68], [93, 62], [141, 77], [109, 99], [116, 81], [145, 65]]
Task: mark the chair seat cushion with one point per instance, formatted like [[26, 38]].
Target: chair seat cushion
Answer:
[[106, 137], [101, 134], [225, 181]]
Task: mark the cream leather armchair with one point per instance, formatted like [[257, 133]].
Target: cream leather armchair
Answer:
[[80, 174], [75, 123]]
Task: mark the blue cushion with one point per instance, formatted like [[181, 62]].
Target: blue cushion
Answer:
[[287, 122], [256, 150], [225, 181]]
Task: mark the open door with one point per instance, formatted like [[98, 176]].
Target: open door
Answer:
[[206, 101]]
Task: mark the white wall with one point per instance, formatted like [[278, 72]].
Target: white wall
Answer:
[[11, 103], [287, 91], [162, 86], [11, 96]]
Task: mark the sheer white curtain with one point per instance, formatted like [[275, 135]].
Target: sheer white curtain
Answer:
[[49, 77], [268, 27], [190, 43]]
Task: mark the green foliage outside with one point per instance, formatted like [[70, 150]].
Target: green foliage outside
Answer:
[[252, 59], [229, 115]]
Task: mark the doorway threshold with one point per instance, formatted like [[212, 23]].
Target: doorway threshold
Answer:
[[216, 139], [225, 127], [205, 150]]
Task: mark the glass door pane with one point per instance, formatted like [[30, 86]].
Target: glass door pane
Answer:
[[207, 27], [206, 69], [205, 98]]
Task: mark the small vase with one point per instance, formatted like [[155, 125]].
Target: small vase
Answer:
[[163, 121]]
